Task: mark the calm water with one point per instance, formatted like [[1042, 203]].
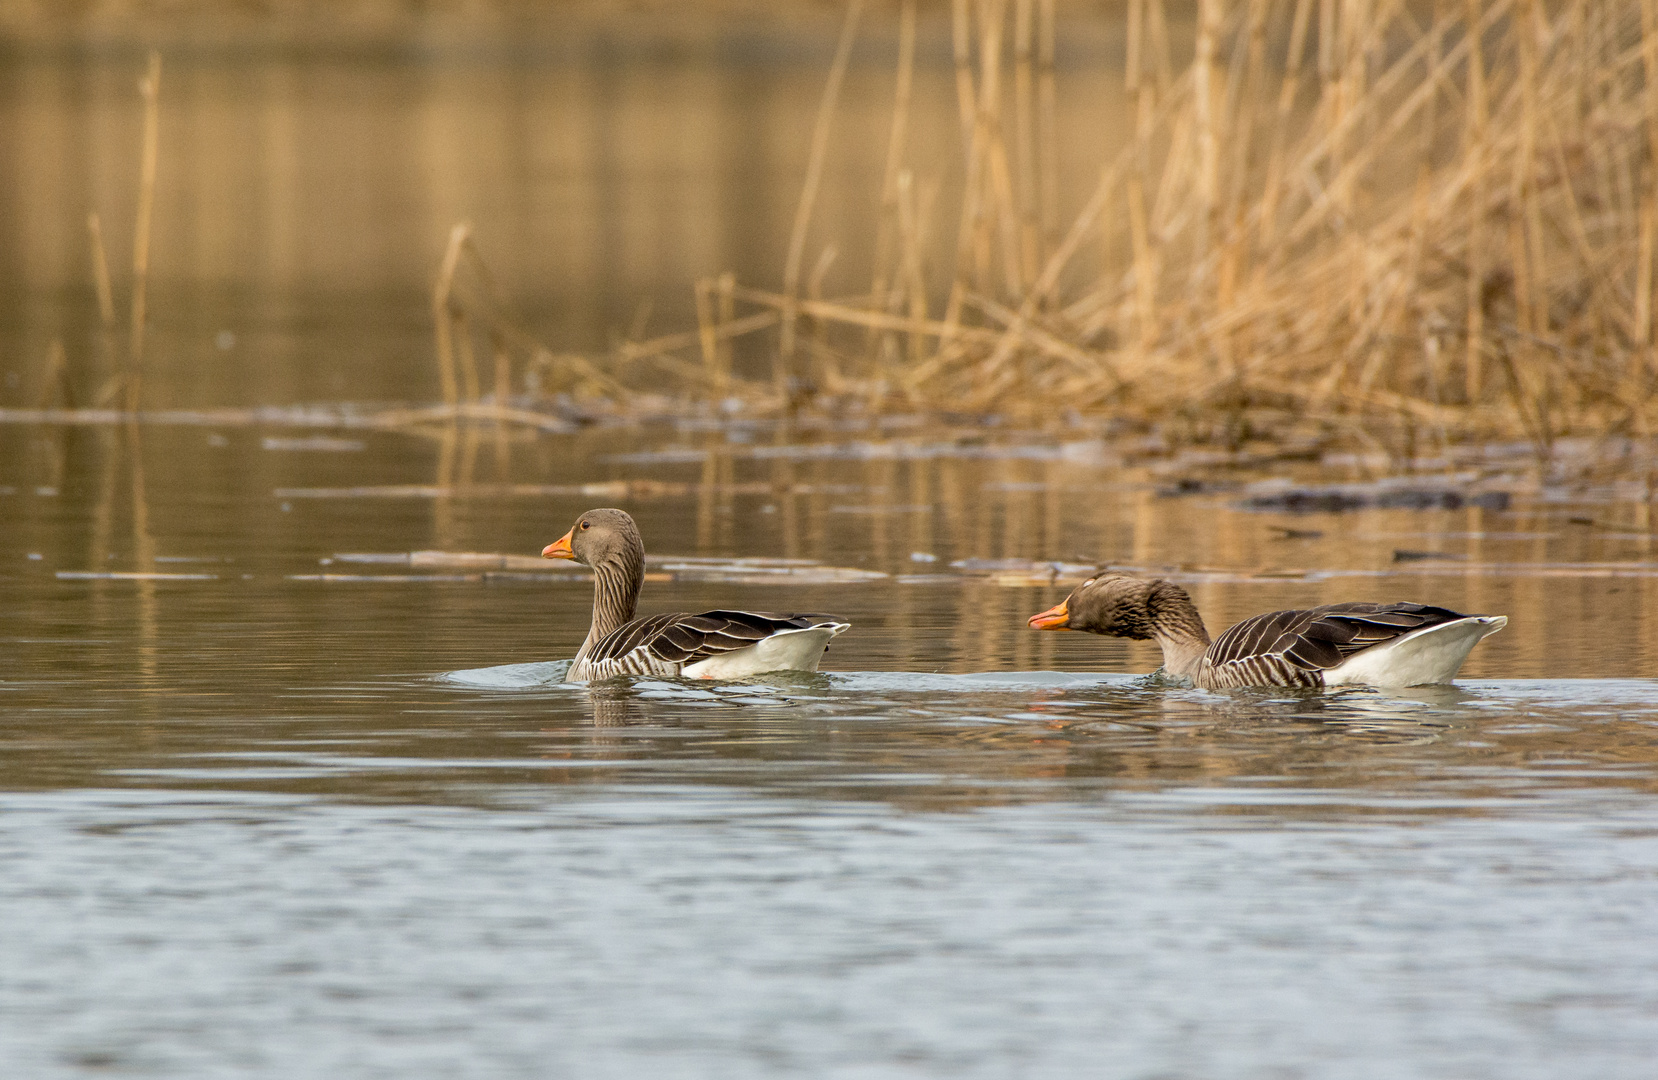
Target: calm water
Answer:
[[255, 822], [310, 806]]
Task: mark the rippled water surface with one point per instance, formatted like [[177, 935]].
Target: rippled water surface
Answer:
[[312, 805], [290, 785]]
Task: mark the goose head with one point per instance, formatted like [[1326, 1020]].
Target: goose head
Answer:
[[605, 537], [1119, 606]]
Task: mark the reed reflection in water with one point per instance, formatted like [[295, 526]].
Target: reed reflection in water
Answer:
[[303, 199]]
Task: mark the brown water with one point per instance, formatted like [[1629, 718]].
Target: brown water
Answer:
[[310, 806]]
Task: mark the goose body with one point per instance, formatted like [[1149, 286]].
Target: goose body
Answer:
[[1397, 644], [720, 644]]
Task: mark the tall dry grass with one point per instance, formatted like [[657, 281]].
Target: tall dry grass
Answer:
[[1357, 214]]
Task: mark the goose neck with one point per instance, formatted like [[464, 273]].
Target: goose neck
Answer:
[[1179, 631], [615, 594]]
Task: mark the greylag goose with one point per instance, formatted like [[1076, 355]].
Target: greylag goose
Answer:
[[709, 645], [1399, 644]]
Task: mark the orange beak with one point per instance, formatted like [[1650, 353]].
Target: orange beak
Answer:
[[1052, 619], [559, 549]]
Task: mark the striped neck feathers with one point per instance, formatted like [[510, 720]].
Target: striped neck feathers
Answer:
[[616, 584], [1177, 627]]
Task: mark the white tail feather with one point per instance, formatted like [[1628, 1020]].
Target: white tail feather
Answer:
[[1422, 657], [786, 650]]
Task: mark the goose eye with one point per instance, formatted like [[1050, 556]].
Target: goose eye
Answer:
[[587, 524], [1087, 583]]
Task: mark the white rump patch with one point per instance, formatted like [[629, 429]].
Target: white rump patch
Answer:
[[1420, 658], [786, 650]]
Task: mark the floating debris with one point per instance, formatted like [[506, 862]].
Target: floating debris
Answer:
[[477, 560], [1081, 452], [1045, 568], [1441, 534], [1193, 485], [130, 575], [763, 571], [1408, 555], [343, 415], [499, 567], [1384, 495], [383, 578], [615, 489], [1296, 534], [317, 443]]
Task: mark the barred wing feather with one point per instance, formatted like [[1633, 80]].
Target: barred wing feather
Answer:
[[664, 644], [1295, 648]]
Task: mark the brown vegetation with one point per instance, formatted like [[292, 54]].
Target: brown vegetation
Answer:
[[1360, 217]]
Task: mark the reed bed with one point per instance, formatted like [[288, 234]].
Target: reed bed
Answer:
[[1367, 218]]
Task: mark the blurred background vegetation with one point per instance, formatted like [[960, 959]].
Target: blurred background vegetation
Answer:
[[1234, 220]]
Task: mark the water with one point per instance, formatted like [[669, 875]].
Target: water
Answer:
[[313, 804], [257, 822]]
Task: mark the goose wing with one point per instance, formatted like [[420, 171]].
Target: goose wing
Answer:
[[1294, 648], [672, 640]]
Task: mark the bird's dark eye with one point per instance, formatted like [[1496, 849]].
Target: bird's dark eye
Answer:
[[587, 524]]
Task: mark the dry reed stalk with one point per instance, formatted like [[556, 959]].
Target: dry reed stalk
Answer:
[[471, 388], [897, 140], [1529, 255], [1474, 147], [1157, 34], [707, 331], [1208, 127], [443, 317], [1288, 90], [1002, 222], [502, 357], [967, 104], [632, 351], [1642, 356], [1024, 128], [726, 286], [106, 311], [961, 51], [911, 218], [56, 381], [808, 191], [150, 90], [820, 339], [1145, 274], [100, 272], [1245, 104], [1047, 93]]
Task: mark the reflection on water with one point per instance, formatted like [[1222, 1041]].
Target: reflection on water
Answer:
[[266, 818], [303, 201]]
